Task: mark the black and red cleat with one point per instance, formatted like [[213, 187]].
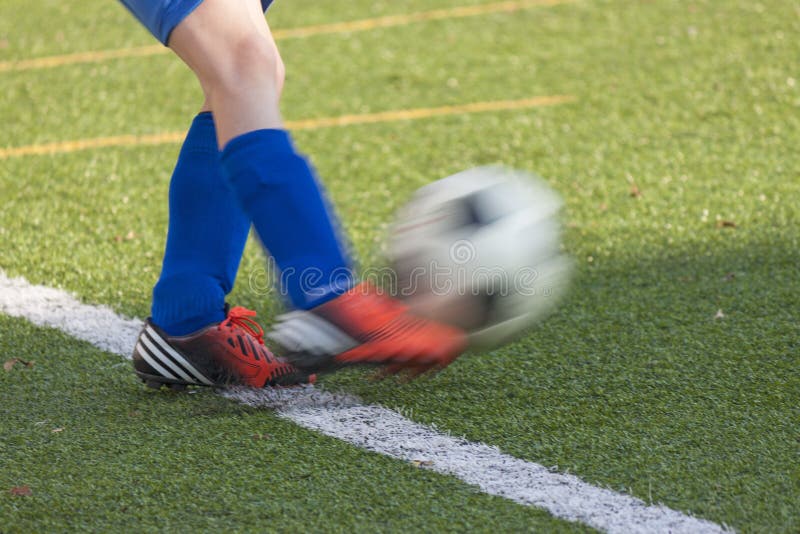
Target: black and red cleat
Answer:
[[366, 327], [228, 353]]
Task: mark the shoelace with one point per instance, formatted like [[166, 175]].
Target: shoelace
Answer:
[[241, 317]]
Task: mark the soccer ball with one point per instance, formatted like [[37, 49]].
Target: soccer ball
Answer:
[[481, 250]]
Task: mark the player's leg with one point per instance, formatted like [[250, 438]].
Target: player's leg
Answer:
[[192, 337], [205, 238], [228, 45]]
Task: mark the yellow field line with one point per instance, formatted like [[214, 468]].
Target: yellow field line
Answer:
[[305, 124], [420, 16], [291, 33], [424, 113], [95, 56]]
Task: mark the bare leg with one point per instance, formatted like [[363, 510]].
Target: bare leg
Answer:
[[229, 47]]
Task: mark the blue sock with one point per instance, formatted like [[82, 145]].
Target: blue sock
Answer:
[[287, 206], [205, 240]]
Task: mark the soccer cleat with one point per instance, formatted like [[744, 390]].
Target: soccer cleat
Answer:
[[366, 327], [228, 353]]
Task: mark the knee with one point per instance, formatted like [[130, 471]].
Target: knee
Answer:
[[255, 58], [249, 62]]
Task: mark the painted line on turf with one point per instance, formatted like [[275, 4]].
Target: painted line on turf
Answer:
[[376, 428], [302, 124], [352, 26]]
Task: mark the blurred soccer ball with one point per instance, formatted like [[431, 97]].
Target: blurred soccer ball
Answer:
[[481, 250]]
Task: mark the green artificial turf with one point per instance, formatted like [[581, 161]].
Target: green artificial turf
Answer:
[[678, 166], [101, 453]]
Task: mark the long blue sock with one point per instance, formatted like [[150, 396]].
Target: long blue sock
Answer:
[[283, 199], [205, 240]]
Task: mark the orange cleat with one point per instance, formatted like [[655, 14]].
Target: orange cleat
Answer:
[[228, 353], [366, 327]]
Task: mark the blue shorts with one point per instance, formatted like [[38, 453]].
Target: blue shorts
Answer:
[[161, 16]]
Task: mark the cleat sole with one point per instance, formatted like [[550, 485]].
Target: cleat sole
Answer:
[[157, 382]]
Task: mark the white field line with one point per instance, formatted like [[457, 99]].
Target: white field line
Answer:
[[376, 428]]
